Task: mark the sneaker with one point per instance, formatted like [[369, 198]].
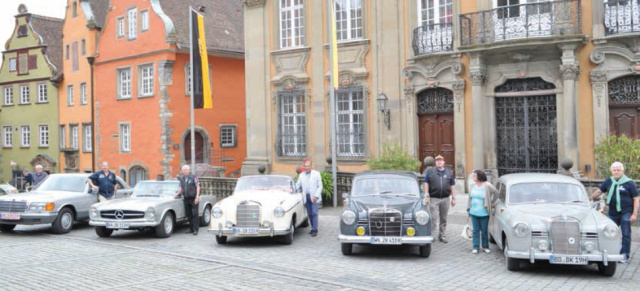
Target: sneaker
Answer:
[[195, 232], [475, 251], [314, 233], [625, 260], [443, 239], [486, 250]]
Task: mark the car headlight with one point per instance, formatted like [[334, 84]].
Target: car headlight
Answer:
[[610, 231], [543, 245], [151, 213], [348, 217], [422, 217], [217, 212], [278, 211], [521, 229], [41, 206], [93, 212]]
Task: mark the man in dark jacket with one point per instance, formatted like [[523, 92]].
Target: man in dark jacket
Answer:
[[440, 184], [190, 191], [106, 181]]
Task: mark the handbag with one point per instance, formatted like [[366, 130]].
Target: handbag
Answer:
[[467, 232]]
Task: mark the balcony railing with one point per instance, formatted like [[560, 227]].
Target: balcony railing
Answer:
[[522, 21], [621, 16], [432, 38]]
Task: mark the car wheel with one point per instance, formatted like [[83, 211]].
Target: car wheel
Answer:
[[221, 239], [7, 227], [512, 264], [425, 250], [165, 228], [102, 231], [206, 216], [347, 249], [491, 239], [305, 223], [287, 239], [64, 222], [608, 270]]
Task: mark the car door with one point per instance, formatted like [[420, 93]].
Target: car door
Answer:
[[83, 202], [496, 220], [300, 207]]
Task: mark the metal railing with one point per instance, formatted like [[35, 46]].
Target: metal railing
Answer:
[[432, 38], [621, 16], [522, 21]]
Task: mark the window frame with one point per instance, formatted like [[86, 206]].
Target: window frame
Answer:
[[23, 63], [83, 93], [234, 135], [294, 40], [299, 142], [83, 47], [70, 95], [142, 69], [74, 9], [43, 135], [124, 139], [87, 137], [7, 136], [42, 99], [437, 18], [25, 140], [120, 83], [62, 138], [352, 114], [8, 89], [349, 20], [132, 23], [74, 136], [25, 88], [13, 64], [120, 31], [144, 20]]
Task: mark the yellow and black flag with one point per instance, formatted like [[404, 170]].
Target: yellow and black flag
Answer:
[[200, 69]]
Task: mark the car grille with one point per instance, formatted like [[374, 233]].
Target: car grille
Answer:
[[565, 236], [589, 235], [385, 222], [13, 206], [121, 214], [539, 234], [248, 215]]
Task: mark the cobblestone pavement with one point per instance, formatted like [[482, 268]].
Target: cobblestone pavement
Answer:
[[35, 259]]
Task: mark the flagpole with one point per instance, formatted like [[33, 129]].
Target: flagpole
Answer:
[[193, 85], [334, 68]]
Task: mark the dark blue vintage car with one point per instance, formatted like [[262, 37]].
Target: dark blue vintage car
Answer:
[[385, 208]]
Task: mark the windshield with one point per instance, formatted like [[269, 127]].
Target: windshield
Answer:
[[144, 189], [63, 183], [385, 185], [546, 193], [264, 183]]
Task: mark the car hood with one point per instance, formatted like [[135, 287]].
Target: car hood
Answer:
[[540, 214], [36, 196], [133, 203], [267, 198], [404, 204]]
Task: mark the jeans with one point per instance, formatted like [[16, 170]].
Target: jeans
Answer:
[[191, 211], [623, 221], [312, 212], [480, 224], [439, 211]]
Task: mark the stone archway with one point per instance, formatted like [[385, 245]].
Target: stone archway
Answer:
[[436, 125], [202, 143], [48, 164]]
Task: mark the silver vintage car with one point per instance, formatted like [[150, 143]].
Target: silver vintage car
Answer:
[[548, 217], [151, 206], [60, 200]]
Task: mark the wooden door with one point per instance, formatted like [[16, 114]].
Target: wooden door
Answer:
[[436, 138], [625, 121], [199, 142]]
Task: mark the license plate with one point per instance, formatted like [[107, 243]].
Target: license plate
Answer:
[[117, 225], [386, 240], [10, 216], [245, 230], [569, 260]]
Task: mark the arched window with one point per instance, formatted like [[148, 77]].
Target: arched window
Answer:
[[137, 174], [624, 106], [123, 175]]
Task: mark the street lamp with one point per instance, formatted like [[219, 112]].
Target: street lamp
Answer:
[[382, 105]]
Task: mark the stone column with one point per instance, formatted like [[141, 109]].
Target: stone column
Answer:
[[165, 79], [459, 134], [318, 116], [569, 129], [256, 44], [477, 74], [600, 109]]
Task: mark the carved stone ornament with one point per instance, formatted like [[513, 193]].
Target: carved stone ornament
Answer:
[[598, 92], [456, 68], [253, 3], [597, 57], [432, 83], [598, 76], [458, 92], [477, 77], [569, 72]]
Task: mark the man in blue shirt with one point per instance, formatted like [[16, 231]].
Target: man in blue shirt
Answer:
[[39, 175], [622, 198], [27, 179], [106, 180]]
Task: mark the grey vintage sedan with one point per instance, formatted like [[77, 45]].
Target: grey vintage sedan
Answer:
[[548, 217], [151, 206], [60, 200], [385, 208]]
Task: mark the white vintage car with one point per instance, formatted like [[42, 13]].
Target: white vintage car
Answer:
[[261, 205], [548, 217]]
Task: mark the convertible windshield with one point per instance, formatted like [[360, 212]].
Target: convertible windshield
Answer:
[[264, 183], [155, 189], [546, 192], [385, 186], [63, 183]]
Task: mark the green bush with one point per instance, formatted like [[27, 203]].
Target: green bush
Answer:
[[394, 157], [618, 148]]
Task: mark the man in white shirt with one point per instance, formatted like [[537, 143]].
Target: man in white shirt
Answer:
[[310, 182]]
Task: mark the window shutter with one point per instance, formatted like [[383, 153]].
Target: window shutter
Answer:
[[33, 62]]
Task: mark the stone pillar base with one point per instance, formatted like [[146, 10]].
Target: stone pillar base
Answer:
[[250, 166]]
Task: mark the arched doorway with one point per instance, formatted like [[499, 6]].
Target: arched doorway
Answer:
[[199, 148], [624, 106], [435, 118], [137, 174], [526, 130]]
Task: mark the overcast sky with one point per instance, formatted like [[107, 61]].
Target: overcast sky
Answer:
[[9, 9]]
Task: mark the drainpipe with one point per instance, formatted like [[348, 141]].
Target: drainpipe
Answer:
[[91, 60]]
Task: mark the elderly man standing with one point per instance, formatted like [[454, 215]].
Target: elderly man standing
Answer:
[[310, 182], [622, 198], [39, 175], [440, 184], [190, 190], [106, 181]]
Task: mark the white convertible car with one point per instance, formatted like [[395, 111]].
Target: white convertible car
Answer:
[[261, 205]]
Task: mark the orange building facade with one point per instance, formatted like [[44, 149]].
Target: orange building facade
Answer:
[[142, 91]]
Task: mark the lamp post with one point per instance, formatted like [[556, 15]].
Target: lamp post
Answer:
[[382, 105], [91, 61]]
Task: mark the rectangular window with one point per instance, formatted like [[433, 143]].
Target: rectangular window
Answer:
[[7, 133], [23, 63], [13, 64], [74, 9], [22, 30], [66, 52], [292, 124], [88, 137], [32, 61], [187, 74], [350, 122], [291, 23], [83, 47], [507, 10], [83, 93], [144, 20], [44, 135], [70, 95], [124, 83], [8, 95], [74, 56], [63, 137], [43, 93], [145, 82], [74, 136], [25, 136], [435, 12], [125, 137], [24, 94], [132, 23], [348, 19], [228, 136], [119, 27]]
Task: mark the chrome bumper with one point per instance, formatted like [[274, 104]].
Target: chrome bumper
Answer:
[[532, 256], [33, 218], [365, 239], [261, 232], [137, 224]]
